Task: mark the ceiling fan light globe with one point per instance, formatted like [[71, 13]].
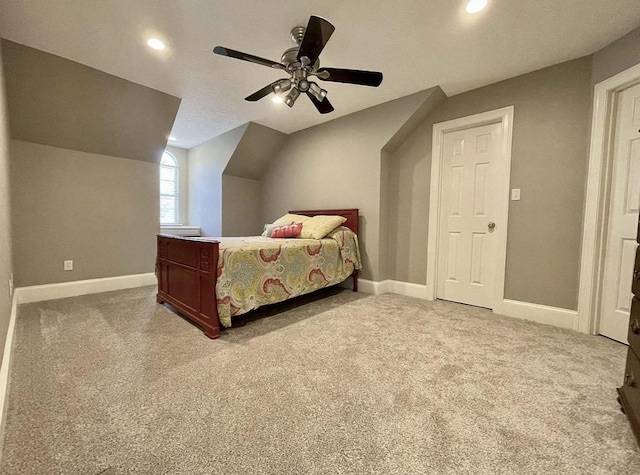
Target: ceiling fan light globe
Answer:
[[303, 85], [290, 100], [475, 6], [317, 91], [282, 86]]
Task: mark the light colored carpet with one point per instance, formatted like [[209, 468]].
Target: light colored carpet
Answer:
[[115, 383]]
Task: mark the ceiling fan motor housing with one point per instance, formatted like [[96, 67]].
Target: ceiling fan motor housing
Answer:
[[290, 59], [290, 56]]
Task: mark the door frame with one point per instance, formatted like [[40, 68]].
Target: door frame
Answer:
[[597, 198], [504, 117]]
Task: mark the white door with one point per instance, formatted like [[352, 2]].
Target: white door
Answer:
[[466, 246], [623, 218]]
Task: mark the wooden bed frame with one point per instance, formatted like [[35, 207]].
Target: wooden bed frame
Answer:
[[187, 272]]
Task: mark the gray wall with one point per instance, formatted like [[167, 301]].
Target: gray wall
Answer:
[[337, 165], [241, 206], [340, 163], [84, 168], [55, 101], [254, 151], [5, 220], [183, 183], [100, 211], [388, 196], [207, 161], [550, 138], [241, 196], [616, 57], [224, 180]]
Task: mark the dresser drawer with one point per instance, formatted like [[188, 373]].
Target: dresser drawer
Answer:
[[635, 286], [634, 327], [630, 390]]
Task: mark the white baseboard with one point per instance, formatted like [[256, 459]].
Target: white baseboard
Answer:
[[369, 287], [405, 288], [37, 293], [558, 317], [5, 370], [392, 287]]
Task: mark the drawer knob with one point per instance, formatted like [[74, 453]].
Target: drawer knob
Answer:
[[636, 274], [629, 380], [635, 326]]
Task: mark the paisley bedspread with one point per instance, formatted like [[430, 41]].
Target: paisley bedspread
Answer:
[[255, 271]]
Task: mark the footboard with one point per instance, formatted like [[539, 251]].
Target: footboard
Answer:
[[186, 270]]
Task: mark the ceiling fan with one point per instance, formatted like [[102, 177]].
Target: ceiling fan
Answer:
[[301, 62]]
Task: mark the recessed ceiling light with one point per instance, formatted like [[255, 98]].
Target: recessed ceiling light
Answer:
[[172, 138], [474, 6], [277, 99], [156, 44]]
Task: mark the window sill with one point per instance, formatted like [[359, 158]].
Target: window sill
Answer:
[[180, 230]]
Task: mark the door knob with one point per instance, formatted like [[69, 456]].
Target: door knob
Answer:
[[491, 225]]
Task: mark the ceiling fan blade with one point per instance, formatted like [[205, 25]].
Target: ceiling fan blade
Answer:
[[323, 106], [265, 91], [351, 76], [315, 38], [221, 50]]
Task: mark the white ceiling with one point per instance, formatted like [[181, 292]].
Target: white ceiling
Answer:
[[416, 44]]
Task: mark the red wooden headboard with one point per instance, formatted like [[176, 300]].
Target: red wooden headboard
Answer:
[[350, 213]]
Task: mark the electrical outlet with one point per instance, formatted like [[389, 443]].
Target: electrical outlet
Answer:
[[515, 194], [68, 265]]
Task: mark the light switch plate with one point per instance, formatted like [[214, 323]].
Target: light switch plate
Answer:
[[515, 194]]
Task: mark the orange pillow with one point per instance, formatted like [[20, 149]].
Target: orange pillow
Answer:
[[290, 231]]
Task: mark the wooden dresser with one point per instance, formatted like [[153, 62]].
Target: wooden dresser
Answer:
[[629, 393]]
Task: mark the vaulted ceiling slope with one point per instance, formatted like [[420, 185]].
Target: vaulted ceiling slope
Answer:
[[58, 102], [417, 44], [255, 149]]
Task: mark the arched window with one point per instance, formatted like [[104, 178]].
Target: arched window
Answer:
[[168, 189]]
